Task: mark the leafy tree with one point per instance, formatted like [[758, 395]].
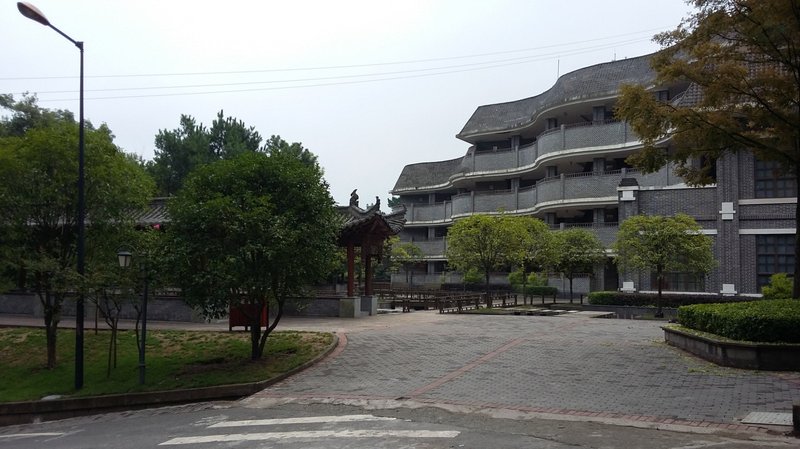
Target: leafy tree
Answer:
[[538, 251], [403, 256], [111, 287], [779, 287], [253, 230], [38, 200], [578, 251], [192, 145], [26, 114], [393, 201], [740, 60], [276, 145], [661, 245], [485, 243]]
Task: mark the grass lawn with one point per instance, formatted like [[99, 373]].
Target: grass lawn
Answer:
[[175, 359]]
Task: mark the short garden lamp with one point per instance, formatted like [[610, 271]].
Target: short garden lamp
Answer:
[[124, 258]]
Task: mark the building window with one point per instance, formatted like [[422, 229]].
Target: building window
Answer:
[[662, 95], [772, 182], [774, 254], [680, 282]]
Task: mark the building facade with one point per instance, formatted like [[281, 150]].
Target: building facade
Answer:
[[560, 156]]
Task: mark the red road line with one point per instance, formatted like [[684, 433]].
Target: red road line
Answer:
[[466, 368]]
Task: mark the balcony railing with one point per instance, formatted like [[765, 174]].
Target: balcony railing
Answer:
[[430, 248], [586, 186], [606, 231], [567, 137]]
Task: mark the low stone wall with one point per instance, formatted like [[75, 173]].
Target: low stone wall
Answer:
[[319, 307], [757, 356], [631, 312], [159, 308]]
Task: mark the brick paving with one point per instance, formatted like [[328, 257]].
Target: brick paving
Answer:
[[569, 365]]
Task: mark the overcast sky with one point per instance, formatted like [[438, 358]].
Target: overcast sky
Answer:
[[369, 86]]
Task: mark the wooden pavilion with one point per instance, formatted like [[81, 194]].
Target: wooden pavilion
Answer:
[[366, 229]]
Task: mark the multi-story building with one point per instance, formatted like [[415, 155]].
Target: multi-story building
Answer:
[[560, 156]]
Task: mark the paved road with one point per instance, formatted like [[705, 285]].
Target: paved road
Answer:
[[465, 381], [565, 366]]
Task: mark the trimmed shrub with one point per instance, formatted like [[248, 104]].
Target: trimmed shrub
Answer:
[[603, 298], [780, 287], [769, 321], [668, 300], [541, 290]]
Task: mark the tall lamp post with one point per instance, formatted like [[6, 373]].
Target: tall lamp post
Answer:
[[124, 257], [33, 13]]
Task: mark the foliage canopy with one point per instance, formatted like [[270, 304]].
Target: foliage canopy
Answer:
[[739, 61], [254, 230]]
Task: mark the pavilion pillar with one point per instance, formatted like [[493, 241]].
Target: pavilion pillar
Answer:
[[351, 269], [367, 274]]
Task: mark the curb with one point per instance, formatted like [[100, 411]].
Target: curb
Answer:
[[37, 411]]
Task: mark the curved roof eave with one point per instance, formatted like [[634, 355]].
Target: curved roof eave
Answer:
[[587, 83]]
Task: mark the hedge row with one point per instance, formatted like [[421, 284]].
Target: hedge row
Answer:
[[667, 300], [768, 321], [540, 290]]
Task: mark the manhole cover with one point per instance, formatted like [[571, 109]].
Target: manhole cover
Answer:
[[775, 419]]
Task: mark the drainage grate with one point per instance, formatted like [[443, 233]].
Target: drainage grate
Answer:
[[775, 419]]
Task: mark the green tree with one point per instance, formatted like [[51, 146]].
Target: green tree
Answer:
[[253, 230], [578, 251], [38, 200], [661, 245], [538, 250], [740, 60], [403, 256], [179, 151], [779, 287], [485, 243]]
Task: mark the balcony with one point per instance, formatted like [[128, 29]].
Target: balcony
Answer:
[[429, 213], [567, 137], [606, 232], [431, 248], [574, 189]]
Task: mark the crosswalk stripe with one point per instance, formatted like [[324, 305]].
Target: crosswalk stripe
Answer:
[[303, 420], [312, 434], [32, 435]]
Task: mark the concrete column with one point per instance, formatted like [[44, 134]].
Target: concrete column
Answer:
[[599, 164], [351, 270], [727, 238]]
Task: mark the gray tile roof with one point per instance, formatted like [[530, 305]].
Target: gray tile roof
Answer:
[[427, 174], [155, 213], [595, 81], [353, 217]]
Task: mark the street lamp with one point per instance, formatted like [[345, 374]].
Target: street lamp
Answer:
[[33, 13], [124, 258]]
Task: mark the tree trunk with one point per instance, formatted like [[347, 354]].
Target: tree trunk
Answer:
[[51, 312], [660, 281], [255, 331], [524, 288], [280, 301], [570, 287]]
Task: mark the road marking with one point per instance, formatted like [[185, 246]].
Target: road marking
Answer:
[[312, 434], [32, 435], [304, 420]]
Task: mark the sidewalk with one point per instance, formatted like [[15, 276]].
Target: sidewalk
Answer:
[[569, 367]]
